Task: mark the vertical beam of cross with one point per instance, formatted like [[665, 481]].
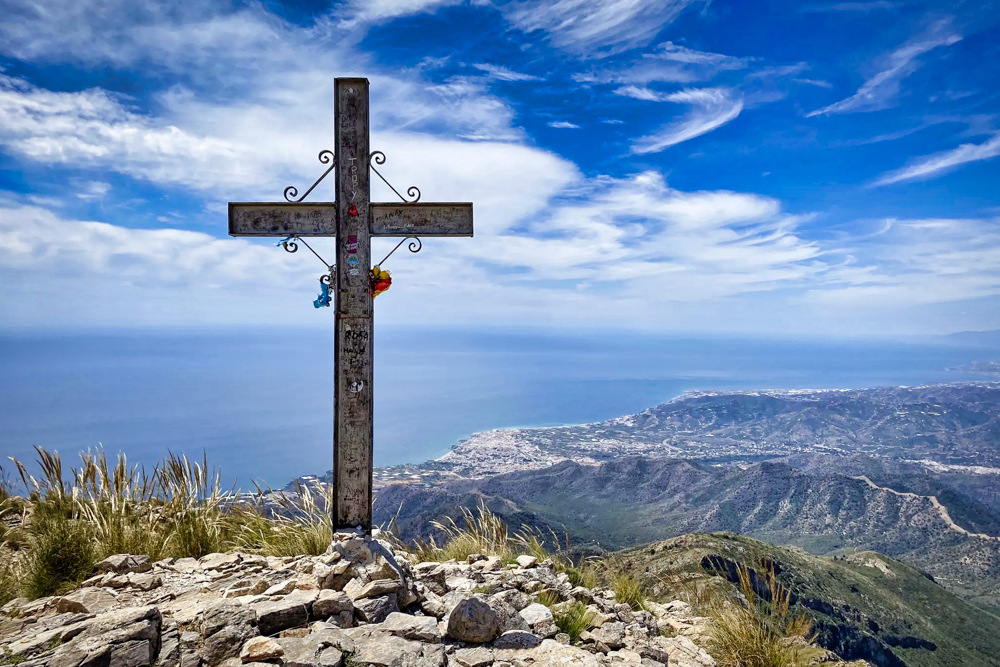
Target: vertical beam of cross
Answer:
[[352, 428], [353, 220]]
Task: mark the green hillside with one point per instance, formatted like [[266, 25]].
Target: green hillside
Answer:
[[864, 605]]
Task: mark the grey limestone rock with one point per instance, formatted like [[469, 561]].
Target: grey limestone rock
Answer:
[[225, 626], [86, 601], [510, 619], [417, 628], [472, 657], [124, 564], [375, 610], [288, 612], [473, 620], [330, 603], [536, 613], [516, 640]]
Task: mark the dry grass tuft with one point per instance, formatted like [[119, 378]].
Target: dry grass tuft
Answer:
[[483, 533], [753, 634], [178, 509], [574, 621]]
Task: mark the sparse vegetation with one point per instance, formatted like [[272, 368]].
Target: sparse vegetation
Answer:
[[755, 633], [628, 589], [179, 509], [483, 532], [548, 598], [574, 620]]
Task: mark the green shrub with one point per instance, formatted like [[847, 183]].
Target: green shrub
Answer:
[[61, 555], [628, 589], [584, 575], [11, 576], [548, 598], [574, 621]]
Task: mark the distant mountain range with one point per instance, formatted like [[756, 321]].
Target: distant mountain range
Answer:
[[912, 472]]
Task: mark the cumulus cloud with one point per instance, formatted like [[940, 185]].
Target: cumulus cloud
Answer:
[[940, 163], [879, 90], [711, 108], [656, 245]]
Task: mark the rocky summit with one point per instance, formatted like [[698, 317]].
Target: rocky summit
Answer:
[[361, 603]]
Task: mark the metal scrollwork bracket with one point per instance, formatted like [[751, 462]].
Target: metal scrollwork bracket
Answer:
[[378, 157], [415, 246], [291, 192]]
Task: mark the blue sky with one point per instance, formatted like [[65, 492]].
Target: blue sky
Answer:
[[767, 167]]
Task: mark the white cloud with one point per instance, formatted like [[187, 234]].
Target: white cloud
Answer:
[[669, 63], [656, 245], [874, 5], [682, 54], [501, 73], [563, 125], [879, 90], [934, 165], [711, 108], [595, 28], [94, 190], [375, 11], [641, 93], [918, 262]]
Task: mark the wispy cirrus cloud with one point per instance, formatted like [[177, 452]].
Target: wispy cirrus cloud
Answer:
[[711, 108], [941, 163], [879, 90], [563, 125], [875, 5], [375, 11], [501, 73], [595, 28], [668, 63], [917, 262]]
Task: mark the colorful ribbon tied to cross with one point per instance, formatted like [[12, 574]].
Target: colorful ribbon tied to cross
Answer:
[[381, 281], [324, 296]]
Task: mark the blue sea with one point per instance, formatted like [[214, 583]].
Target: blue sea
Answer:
[[259, 402]]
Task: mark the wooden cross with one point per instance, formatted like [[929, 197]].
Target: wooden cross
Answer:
[[353, 219]]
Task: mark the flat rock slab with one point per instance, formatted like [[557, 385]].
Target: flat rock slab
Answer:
[[86, 601], [124, 564], [273, 617], [549, 653], [329, 603], [417, 628], [376, 610], [536, 613], [472, 657]]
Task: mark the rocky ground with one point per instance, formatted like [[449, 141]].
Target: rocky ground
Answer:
[[358, 604]]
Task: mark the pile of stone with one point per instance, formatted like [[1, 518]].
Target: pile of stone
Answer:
[[358, 604]]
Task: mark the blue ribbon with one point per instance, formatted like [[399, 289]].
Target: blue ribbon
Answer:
[[324, 296]]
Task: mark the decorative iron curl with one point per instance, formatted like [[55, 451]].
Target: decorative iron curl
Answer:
[[289, 244], [378, 157], [414, 246], [325, 279], [325, 157]]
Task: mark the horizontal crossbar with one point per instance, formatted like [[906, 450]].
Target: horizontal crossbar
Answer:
[[319, 219]]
